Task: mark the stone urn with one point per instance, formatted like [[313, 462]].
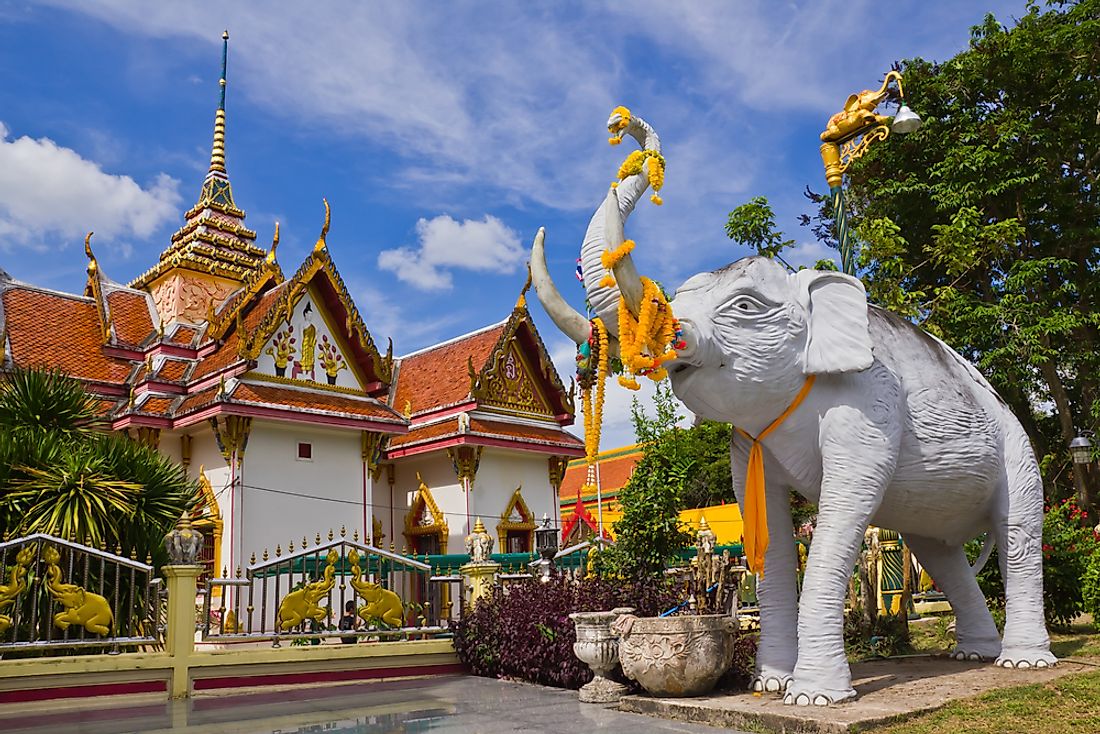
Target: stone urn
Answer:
[[598, 648], [676, 656]]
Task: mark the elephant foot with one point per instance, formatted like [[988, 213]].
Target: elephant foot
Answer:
[[977, 652], [1023, 658], [771, 683], [798, 695]]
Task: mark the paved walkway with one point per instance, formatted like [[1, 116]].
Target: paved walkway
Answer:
[[449, 704]]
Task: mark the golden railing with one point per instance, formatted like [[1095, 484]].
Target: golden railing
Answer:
[[59, 594], [302, 596]]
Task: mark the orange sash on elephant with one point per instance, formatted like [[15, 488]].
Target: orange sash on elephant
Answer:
[[755, 512]]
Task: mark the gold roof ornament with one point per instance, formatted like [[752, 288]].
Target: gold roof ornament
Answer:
[[274, 244], [521, 302], [479, 527], [321, 244], [93, 266]]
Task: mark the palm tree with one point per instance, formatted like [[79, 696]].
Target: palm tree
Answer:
[[60, 475]]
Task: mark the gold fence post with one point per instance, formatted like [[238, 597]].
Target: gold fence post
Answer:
[[182, 588]]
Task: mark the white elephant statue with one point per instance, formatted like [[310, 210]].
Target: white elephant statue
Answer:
[[898, 431]]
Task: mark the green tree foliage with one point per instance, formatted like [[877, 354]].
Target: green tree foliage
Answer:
[[60, 475], [983, 225]]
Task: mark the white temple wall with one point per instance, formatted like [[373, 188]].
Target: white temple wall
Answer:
[[500, 473], [439, 475], [285, 497]]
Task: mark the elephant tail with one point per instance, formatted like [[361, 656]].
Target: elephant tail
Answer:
[[987, 549]]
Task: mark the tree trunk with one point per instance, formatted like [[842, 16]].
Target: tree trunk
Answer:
[[1065, 423]]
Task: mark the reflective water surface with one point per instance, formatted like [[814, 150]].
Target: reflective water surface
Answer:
[[445, 704]]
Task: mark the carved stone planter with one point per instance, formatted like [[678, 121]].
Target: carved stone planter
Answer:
[[675, 656], [598, 648]]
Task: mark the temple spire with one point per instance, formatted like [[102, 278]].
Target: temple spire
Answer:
[[215, 187]]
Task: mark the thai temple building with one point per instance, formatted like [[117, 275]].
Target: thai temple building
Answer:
[[270, 389]]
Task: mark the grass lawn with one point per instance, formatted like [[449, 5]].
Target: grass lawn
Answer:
[[1069, 705]]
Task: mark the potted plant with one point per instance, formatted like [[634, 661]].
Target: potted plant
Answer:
[[687, 649]]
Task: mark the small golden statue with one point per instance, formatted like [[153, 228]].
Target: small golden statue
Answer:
[[380, 603], [17, 584], [90, 611], [302, 604]]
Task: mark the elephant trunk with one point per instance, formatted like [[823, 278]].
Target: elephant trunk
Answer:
[[605, 232]]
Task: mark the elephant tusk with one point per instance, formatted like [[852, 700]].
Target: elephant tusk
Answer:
[[564, 316]]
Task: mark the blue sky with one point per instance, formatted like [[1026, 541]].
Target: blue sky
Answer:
[[443, 135]]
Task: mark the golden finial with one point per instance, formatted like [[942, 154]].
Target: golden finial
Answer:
[[393, 548], [290, 547], [148, 559], [265, 556], [479, 527], [355, 535], [343, 531], [703, 523], [305, 542], [404, 549], [238, 573], [521, 302], [321, 244], [225, 572], [133, 554], [274, 245], [92, 265], [278, 551], [317, 539], [330, 534], [252, 560]]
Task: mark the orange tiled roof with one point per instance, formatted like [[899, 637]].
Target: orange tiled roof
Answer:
[[313, 401], [173, 370], [419, 434], [157, 406], [196, 401], [130, 316], [550, 436], [615, 472], [226, 354], [54, 330], [184, 335], [439, 376], [525, 433]]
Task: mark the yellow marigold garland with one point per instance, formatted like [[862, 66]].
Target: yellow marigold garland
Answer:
[[592, 399], [616, 129], [655, 170], [645, 341], [610, 258]]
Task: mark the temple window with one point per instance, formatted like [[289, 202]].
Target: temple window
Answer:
[[305, 451]]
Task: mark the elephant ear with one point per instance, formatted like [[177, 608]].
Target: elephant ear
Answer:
[[837, 335]]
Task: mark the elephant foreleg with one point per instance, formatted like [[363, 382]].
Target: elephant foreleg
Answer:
[[975, 633], [856, 469], [777, 592]]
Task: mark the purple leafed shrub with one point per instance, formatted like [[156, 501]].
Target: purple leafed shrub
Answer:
[[526, 632]]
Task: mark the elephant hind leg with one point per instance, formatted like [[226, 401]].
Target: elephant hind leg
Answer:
[[975, 633], [1020, 538]]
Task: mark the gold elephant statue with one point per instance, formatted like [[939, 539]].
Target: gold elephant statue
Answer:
[[858, 113], [380, 603], [17, 584], [302, 604], [82, 608]]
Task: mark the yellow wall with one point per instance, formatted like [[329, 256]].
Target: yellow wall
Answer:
[[724, 520]]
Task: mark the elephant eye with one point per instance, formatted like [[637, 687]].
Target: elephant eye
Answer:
[[746, 305]]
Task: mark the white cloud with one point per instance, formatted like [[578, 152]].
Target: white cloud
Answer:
[[487, 246], [48, 192]]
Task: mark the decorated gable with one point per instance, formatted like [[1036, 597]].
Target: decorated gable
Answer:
[[510, 385], [306, 348]]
